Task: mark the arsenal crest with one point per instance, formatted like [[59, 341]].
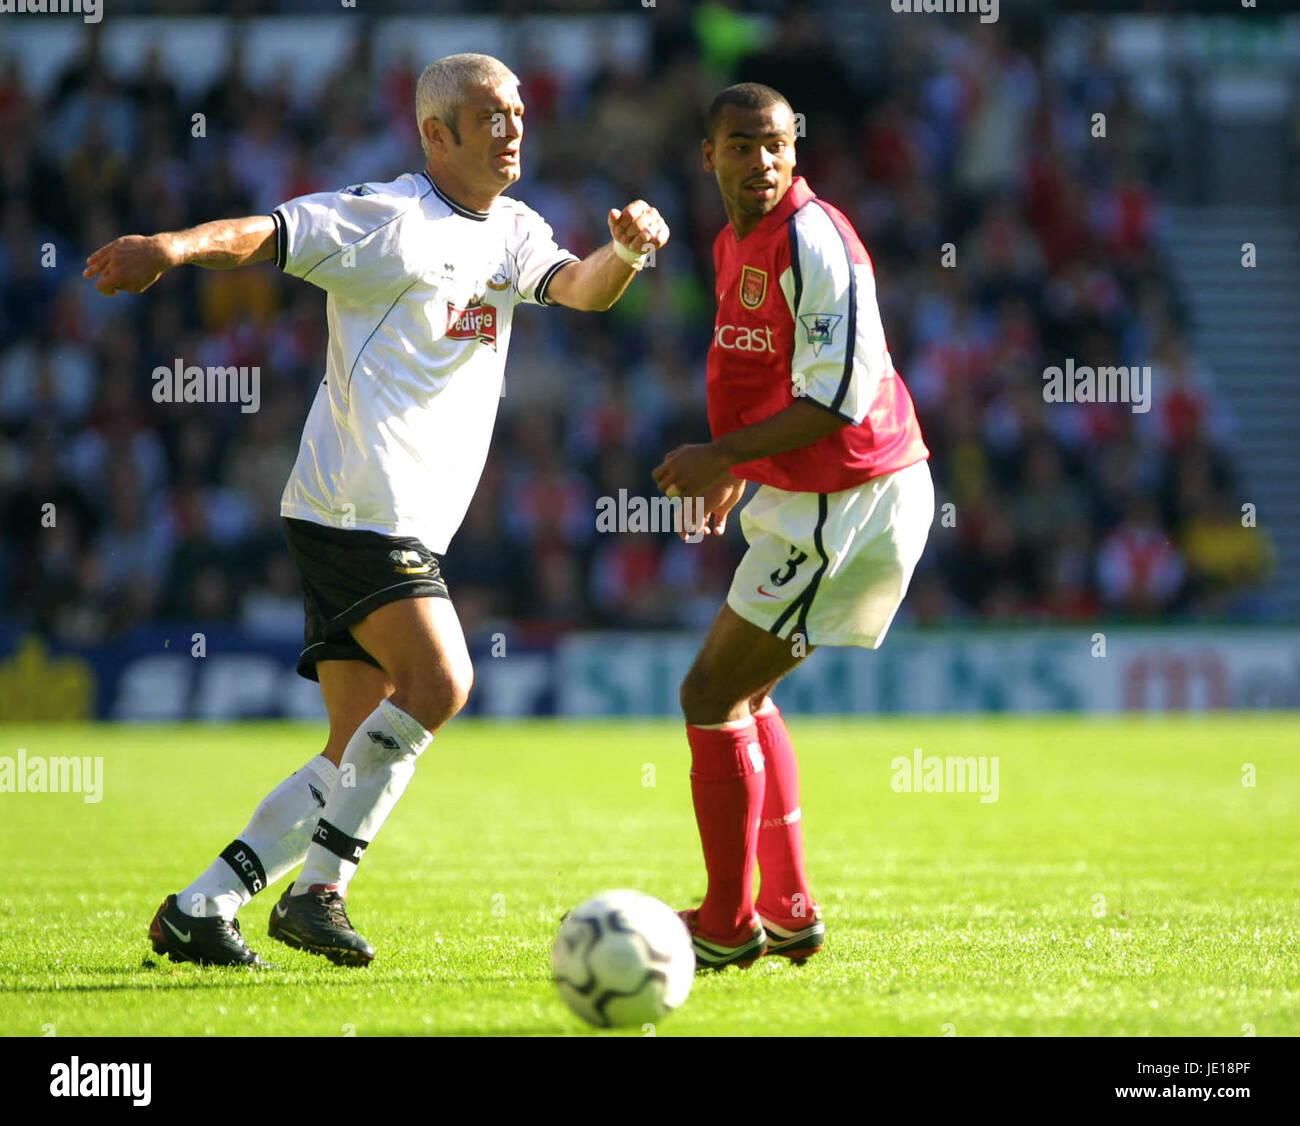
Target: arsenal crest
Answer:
[[753, 287]]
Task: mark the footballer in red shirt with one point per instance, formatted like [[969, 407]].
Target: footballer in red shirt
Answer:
[[805, 402]]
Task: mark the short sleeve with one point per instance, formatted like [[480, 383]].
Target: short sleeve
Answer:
[[840, 354], [537, 257], [347, 243]]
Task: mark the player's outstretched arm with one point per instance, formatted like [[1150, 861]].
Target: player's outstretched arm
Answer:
[[132, 264], [599, 280]]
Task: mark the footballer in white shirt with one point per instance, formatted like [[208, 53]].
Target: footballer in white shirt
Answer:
[[421, 276]]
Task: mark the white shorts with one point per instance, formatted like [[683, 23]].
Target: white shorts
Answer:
[[833, 566]]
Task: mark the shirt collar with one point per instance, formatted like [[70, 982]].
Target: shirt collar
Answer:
[[459, 209]]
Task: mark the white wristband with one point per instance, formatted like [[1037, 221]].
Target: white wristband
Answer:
[[631, 257]]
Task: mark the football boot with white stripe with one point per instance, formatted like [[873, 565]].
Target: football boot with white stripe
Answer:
[[713, 955], [204, 941], [796, 944]]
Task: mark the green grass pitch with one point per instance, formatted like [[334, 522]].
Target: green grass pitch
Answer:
[[1124, 883]]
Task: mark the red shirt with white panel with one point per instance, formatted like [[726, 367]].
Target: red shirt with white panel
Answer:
[[797, 318]]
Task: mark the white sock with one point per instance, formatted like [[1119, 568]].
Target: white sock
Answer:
[[272, 844], [377, 765]]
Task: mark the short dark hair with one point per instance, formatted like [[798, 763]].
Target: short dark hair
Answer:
[[744, 95]]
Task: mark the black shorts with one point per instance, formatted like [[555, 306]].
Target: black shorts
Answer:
[[345, 575]]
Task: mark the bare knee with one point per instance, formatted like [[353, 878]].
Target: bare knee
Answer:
[[704, 701], [434, 696]]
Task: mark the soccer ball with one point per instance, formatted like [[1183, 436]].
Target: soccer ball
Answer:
[[622, 959]]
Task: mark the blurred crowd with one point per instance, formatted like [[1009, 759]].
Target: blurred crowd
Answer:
[[1005, 239]]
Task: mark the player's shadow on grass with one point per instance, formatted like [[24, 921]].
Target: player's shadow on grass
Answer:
[[165, 977], [146, 981]]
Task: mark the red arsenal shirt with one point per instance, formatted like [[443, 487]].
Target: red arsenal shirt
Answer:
[[797, 318]]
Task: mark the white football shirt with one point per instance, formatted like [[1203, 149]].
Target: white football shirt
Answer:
[[421, 294]]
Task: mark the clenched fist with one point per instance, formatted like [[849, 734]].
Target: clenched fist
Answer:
[[638, 227]]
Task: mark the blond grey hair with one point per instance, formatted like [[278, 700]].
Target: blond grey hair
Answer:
[[443, 85]]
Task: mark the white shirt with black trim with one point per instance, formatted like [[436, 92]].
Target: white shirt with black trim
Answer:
[[839, 341], [421, 294]]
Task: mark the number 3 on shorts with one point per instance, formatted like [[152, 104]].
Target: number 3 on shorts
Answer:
[[781, 577]]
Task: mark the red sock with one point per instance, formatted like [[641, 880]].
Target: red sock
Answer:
[[783, 895], [727, 786]]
